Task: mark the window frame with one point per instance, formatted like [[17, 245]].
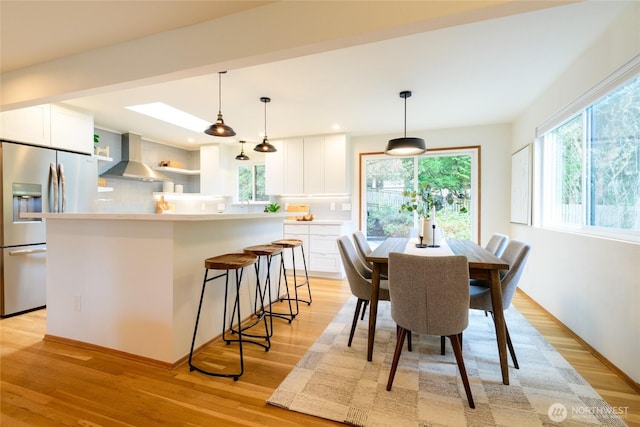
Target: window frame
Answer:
[[253, 165], [544, 155], [474, 151]]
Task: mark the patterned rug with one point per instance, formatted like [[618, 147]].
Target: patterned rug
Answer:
[[336, 382]]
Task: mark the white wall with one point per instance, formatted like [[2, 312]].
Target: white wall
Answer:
[[495, 167], [590, 284]]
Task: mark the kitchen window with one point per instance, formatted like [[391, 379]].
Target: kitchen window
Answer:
[[251, 183], [591, 166]]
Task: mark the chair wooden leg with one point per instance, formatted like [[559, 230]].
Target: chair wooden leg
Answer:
[[457, 350], [355, 321], [409, 341], [442, 345], [512, 351], [364, 310], [402, 333]]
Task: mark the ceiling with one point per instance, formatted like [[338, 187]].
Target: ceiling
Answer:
[[477, 73]]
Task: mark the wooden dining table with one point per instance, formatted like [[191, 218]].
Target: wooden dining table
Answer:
[[483, 265]]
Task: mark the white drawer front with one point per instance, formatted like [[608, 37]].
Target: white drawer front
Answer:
[[328, 263], [296, 229], [323, 244], [333, 230]]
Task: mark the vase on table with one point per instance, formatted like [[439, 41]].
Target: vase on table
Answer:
[[431, 233]]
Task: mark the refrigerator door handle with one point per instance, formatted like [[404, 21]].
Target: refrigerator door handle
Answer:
[[63, 189], [27, 252], [54, 184]]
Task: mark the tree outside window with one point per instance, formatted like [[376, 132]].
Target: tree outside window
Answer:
[[251, 183], [591, 178]]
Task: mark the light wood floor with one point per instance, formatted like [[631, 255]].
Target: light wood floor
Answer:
[[45, 383]]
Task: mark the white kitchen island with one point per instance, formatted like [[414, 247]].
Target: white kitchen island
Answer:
[[131, 283]]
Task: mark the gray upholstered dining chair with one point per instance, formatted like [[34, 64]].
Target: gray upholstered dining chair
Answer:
[[429, 295], [497, 243], [358, 282], [515, 254], [362, 248]]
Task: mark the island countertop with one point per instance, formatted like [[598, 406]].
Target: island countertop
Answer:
[[156, 217]]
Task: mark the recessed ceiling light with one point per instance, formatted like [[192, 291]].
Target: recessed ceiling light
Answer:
[[169, 114], [336, 126]]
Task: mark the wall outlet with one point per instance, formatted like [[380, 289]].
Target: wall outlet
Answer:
[[346, 206], [77, 303], [221, 207], [332, 206]]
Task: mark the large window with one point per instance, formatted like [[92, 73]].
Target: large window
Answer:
[[453, 174], [591, 167], [251, 183]]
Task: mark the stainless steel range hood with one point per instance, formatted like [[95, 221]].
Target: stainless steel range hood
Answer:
[[131, 166]]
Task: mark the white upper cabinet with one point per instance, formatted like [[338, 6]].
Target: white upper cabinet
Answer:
[[336, 176], [215, 177], [294, 166], [274, 169], [325, 165], [310, 165], [71, 130], [314, 165], [49, 125], [30, 125], [284, 168]]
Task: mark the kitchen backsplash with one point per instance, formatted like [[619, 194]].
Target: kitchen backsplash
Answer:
[[321, 208], [130, 196]]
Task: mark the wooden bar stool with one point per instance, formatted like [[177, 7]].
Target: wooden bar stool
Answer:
[[226, 263], [269, 251], [293, 244]]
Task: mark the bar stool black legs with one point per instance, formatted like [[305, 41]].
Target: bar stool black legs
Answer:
[[227, 263], [293, 244], [269, 251]]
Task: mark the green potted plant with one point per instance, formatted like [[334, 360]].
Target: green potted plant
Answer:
[[272, 207], [425, 202]]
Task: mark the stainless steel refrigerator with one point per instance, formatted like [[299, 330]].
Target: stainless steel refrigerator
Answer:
[[36, 179]]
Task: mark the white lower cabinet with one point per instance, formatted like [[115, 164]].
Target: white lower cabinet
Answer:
[[321, 247]]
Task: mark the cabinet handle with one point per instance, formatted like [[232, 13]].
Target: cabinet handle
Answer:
[[27, 252]]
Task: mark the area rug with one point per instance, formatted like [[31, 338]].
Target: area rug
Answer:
[[336, 382]]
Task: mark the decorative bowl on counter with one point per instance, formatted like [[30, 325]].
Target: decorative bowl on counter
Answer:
[[308, 217]]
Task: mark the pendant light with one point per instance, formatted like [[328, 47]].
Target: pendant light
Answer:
[[405, 146], [219, 128], [264, 146], [242, 156]]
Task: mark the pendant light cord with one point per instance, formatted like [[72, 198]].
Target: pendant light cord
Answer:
[[405, 116], [220, 92]]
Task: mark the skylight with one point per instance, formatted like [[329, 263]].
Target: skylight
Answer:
[[169, 114]]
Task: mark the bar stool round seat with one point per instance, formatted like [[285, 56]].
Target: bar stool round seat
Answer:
[[288, 243], [232, 261], [226, 263], [264, 250], [293, 244]]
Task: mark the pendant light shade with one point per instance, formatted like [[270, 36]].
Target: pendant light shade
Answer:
[[219, 128], [405, 146], [264, 146], [242, 156]]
